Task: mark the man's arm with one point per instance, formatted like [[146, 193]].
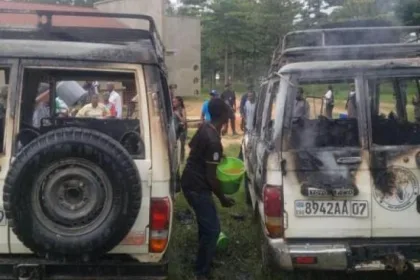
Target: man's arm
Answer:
[[213, 156], [82, 112], [234, 101]]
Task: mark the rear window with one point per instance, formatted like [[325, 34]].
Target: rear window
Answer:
[[323, 115], [106, 101], [395, 110]]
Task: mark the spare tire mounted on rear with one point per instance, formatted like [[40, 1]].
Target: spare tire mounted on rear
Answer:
[[72, 193]]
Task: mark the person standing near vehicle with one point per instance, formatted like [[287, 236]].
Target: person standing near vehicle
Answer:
[[329, 102], [229, 97], [172, 89], [250, 111], [115, 98], [244, 99], [301, 108], [181, 118], [199, 182], [205, 115]]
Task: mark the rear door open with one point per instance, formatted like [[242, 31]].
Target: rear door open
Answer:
[[326, 177]]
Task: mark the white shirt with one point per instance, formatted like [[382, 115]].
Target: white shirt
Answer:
[[328, 95], [249, 115], [115, 98]]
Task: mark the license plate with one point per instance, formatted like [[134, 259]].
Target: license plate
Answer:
[[332, 208]]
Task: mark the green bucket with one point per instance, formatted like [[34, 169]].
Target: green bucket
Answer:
[[230, 173]]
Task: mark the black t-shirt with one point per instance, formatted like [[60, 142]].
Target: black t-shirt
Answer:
[[206, 147], [229, 97]]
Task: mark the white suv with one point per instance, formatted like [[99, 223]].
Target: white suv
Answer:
[[339, 193], [84, 194]]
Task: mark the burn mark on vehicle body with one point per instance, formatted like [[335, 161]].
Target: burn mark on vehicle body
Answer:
[[396, 186], [326, 171]]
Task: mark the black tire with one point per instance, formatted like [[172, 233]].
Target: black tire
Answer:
[[72, 194]]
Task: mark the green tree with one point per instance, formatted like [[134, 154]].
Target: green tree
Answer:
[[408, 12]]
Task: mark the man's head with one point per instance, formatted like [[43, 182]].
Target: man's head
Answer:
[[299, 95], [213, 93], [219, 112], [251, 96], [227, 86], [352, 87], [110, 87], [95, 100], [106, 97], [330, 87]]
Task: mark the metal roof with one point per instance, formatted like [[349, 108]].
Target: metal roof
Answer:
[[355, 43], [136, 53], [350, 64], [104, 38]]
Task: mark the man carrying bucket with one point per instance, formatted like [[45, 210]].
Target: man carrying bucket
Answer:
[[199, 182]]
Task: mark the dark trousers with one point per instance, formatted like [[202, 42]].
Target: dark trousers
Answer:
[[329, 111], [232, 119], [208, 228]]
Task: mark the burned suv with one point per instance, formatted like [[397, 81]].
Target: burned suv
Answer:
[[88, 155], [333, 161]]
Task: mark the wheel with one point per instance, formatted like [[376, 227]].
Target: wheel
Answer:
[[72, 194]]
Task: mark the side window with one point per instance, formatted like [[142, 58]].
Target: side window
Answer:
[[97, 100], [324, 115], [271, 111], [395, 111], [157, 85], [4, 92], [167, 99], [260, 108]]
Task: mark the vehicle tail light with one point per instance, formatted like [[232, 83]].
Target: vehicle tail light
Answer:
[[305, 260], [160, 215], [273, 210]]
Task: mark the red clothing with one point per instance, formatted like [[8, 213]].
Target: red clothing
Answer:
[[112, 110]]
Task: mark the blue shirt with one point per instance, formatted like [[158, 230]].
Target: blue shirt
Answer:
[[205, 111]]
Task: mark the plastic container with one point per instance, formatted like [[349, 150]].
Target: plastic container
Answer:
[[70, 92], [222, 242], [230, 173]]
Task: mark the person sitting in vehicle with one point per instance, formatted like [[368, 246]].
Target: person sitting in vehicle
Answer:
[[301, 108], [94, 109]]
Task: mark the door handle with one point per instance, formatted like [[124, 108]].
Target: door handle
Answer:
[[349, 160]]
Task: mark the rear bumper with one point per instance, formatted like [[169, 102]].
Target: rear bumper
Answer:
[[346, 255], [119, 267]]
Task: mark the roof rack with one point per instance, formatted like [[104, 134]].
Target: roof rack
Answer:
[[347, 43], [45, 29]]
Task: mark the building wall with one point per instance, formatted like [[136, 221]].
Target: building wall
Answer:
[[181, 37], [153, 8]]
